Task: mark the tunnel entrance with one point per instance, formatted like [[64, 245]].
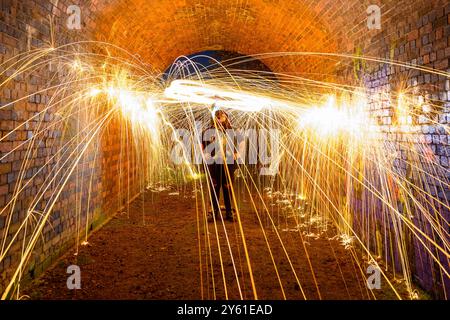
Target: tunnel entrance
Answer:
[[202, 64]]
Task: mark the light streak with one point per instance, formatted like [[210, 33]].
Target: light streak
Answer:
[[196, 92]]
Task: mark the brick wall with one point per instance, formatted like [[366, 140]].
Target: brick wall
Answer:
[[419, 34], [104, 178]]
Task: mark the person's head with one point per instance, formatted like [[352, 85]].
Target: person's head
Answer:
[[221, 116]]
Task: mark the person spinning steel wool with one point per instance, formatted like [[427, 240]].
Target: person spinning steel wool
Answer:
[[220, 155]]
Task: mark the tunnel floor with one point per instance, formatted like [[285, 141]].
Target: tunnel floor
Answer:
[[159, 259]]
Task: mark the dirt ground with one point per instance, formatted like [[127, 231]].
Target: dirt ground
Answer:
[[161, 250]]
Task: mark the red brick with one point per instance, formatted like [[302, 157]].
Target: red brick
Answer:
[[5, 147], [439, 33], [4, 189], [426, 29], [5, 168], [441, 65], [413, 35]]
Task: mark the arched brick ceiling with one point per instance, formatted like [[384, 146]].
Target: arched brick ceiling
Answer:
[[161, 30]]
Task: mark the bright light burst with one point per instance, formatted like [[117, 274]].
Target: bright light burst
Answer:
[[331, 120]]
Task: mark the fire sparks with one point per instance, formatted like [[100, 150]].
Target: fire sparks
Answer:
[[334, 167]]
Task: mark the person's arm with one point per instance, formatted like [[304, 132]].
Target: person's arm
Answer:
[[240, 150], [204, 144]]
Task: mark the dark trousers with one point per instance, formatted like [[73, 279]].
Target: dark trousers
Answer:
[[219, 180]]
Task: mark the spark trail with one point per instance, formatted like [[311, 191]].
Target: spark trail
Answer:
[[339, 170]]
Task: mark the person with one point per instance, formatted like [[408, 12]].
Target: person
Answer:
[[221, 167]]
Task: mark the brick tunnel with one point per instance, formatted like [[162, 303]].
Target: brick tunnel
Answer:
[[359, 91]]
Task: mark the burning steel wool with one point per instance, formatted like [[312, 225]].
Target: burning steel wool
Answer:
[[333, 166]]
